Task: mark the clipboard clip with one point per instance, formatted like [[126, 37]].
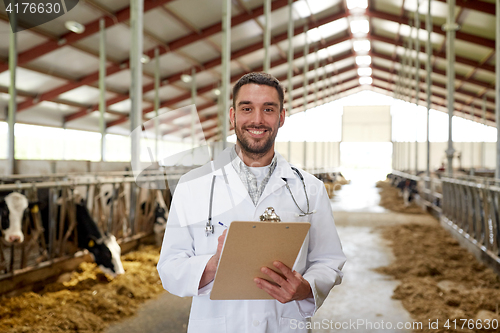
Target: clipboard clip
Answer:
[[270, 215]]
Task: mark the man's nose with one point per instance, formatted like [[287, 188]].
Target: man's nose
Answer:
[[257, 117]]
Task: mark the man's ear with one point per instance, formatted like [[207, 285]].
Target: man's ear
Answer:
[[231, 115], [282, 117]]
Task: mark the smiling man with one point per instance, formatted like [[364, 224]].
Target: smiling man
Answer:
[[251, 177]]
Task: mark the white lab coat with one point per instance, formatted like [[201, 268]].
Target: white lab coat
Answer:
[[186, 249]]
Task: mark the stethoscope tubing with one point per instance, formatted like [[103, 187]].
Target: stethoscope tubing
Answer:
[[209, 228]]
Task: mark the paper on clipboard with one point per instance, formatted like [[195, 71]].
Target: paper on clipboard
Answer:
[[250, 246]]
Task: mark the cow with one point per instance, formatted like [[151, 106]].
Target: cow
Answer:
[[408, 189], [12, 210], [160, 216], [103, 248]]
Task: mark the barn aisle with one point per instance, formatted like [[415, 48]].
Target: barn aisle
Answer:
[[364, 297]]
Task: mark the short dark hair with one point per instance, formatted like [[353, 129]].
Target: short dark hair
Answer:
[[262, 79]]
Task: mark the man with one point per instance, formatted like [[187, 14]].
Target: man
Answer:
[[238, 186]]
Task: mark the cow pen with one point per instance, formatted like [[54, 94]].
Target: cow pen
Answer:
[[114, 200], [468, 207]]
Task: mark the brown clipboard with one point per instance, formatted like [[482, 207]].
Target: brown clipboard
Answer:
[[250, 246]]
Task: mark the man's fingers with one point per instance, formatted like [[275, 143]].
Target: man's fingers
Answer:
[[287, 272], [273, 275], [290, 287], [274, 291]]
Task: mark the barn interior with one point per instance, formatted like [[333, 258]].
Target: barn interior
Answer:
[[391, 103]]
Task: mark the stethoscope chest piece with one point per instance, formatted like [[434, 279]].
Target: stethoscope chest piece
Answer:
[[270, 215]]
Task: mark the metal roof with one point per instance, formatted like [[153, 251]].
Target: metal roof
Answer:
[[58, 69]]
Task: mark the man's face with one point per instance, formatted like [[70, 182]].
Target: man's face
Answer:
[[257, 118]]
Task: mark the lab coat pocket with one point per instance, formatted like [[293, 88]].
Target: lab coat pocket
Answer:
[[212, 325]]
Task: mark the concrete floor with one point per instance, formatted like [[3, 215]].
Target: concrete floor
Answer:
[[362, 303]]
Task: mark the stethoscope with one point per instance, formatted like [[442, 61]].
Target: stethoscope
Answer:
[[209, 228]]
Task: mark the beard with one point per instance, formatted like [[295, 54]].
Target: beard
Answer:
[[255, 147]]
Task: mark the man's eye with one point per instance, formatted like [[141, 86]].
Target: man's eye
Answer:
[[269, 110], [246, 109]]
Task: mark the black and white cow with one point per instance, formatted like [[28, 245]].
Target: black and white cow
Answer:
[[103, 248], [408, 189], [12, 209], [160, 216]]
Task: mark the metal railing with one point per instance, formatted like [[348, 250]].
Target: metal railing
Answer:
[[470, 204], [430, 190], [474, 209], [108, 201]]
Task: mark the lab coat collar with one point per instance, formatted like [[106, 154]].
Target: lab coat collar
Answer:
[[283, 169], [222, 166], [276, 182], [224, 171]]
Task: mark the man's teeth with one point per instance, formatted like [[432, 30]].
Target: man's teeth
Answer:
[[256, 132]]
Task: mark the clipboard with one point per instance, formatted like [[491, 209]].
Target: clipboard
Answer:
[[250, 246]]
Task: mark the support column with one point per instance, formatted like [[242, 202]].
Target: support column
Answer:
[[410, 66], [472, 143], [157, 101], [428, 81], [102, 84], [11, 117], [306, 67], [136, 28], [315, 143], [316, 66], [290, 57], [417, 80], [450, 28], [305, 155], [326, 85], [193, 109], [497, 88], [483, 143], [289, 151], [226, 68], [267, 36]]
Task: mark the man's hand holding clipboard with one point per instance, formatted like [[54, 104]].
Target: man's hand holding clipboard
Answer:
[[290, 286]]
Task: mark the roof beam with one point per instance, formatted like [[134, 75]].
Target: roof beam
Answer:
[[442, 55], [209, 87], [437, 106], [480, 6], [438, 85], [217, 61], [437, 71], [391, 81], [167, 47], [70, 37], [435, 28]]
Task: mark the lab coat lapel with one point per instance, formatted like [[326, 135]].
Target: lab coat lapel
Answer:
[[226, 170], [276, 182]]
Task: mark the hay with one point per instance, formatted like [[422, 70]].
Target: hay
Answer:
[[439, 279], [390, 199], [88, 301]]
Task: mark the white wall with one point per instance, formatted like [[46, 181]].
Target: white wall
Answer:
[[438, 155], [366, 123], [327, 154]]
